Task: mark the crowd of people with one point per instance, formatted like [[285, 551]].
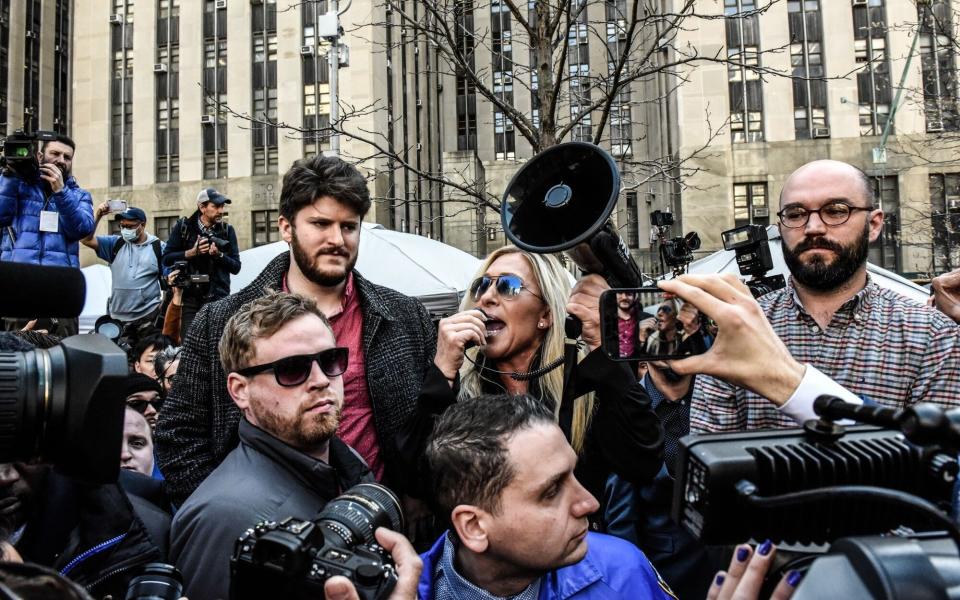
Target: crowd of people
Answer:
[[527, 466]]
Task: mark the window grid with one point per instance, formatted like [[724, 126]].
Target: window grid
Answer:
[[745, 86], [504, 136], [873, 81], [316, 81], [578, 72], [264, 50], [806, 61], [885, 250], [61, 67], [31, 65], [162, 226], [750, 205], [466, 89], [265, 227], [621, 123], [167, 96], [945, 220], [4, 63], [938, 65], [214, 91], [121, 95]]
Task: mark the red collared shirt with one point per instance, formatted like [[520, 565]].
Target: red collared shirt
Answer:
[[357, 428]]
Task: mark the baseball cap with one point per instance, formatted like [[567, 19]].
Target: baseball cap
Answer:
[[212, 195], [133, 214]]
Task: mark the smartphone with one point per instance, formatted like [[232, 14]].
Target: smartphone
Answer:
[[117, 206], [646, 324]]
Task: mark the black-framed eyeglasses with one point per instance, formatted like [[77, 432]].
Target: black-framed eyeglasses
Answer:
[[141, 405], [291, 371], [832, 214], [506, 285]]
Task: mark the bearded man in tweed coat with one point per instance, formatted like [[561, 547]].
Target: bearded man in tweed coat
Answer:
[[390, 336]]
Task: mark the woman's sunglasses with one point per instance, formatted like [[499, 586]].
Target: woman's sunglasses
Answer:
[[507, 285], [294, 370], [141, 405]]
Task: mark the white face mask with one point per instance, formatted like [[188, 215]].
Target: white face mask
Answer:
[[129, 235]]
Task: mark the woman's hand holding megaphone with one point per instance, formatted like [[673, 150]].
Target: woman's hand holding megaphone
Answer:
[[455, 334]]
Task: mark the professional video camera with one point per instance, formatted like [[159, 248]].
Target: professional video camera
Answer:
[[293, 558], [63, 405], [20, 153], [187, 275], [753, 258], [826, 482], [676, 252]]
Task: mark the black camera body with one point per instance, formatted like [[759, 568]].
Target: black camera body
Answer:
[[187, 275], [678, 252], [269, 553], [750, 245], [221, 244], [20, 153], [659, 218], [293, 558]]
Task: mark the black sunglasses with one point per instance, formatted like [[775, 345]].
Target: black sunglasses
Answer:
[[141, 405], [293, 370], [507, 285]]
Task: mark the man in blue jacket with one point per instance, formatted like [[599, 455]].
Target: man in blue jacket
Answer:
[[503, 472], [43, 221]]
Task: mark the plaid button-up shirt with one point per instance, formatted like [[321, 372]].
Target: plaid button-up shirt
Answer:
[[879, 344]]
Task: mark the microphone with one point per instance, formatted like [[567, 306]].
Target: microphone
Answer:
[[34, 291], [471, 343]]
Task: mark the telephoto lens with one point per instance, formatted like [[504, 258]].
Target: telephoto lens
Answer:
[[159, 581], [351, 518]]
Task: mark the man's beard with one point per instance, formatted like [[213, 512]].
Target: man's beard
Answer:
[[297, 431], [308, 264], [819, 275]]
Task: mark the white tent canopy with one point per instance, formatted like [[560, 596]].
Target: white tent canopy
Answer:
[[432, 271], [725, 261]]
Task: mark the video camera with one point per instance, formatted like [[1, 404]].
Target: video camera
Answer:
[[20, 153], [826, 482], [294, 558], [753, 258], [676, 252], [187, 275]]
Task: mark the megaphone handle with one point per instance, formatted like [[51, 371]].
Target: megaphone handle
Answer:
[[573, 327]]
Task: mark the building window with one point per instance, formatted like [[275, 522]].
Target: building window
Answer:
[[466, 89], [265, 227], [578, 72], [162, 226], [746, 88], [4, 63], [873, 80], [167, 69], [885, 250], [945, 221], [806, 62], [750, 204], [502, 34], [61, 66], [113, 227], [633, 225], [621, 128], [214, 116], [938, 64], [121, 95], [31, 66], [264, 41], [316, 81]]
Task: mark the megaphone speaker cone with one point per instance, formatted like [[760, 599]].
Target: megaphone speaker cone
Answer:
[[560, 197]]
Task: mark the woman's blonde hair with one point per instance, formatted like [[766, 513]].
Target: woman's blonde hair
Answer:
[[554, 283]]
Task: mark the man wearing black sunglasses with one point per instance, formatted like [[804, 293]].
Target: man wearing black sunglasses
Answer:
[[145, 396], [390, 337], [286, 378]]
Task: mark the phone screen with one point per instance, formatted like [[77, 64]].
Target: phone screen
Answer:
[[645, 324]]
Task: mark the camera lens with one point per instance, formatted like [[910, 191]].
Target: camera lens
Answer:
[[31, 388], [159, 581], [351, 518]]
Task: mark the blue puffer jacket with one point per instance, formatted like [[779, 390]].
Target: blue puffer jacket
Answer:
[[20, 206]]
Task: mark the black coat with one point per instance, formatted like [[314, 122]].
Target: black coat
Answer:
[[625, 435], [100, 536], [198, 423]]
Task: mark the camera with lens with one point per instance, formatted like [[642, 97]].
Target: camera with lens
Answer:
[[187, 275], [293, 558], [753, 258], [221, 244], [659, 218], [157, 581], [20, 153], [678, 252]]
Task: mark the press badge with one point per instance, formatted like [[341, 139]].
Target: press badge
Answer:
[[49, 221]]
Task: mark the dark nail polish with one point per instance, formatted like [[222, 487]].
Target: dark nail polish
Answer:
[[793, 578], [765, 548], [720, 578], [742, 554]]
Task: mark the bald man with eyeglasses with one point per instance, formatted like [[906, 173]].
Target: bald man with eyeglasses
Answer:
[[835, 320]]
